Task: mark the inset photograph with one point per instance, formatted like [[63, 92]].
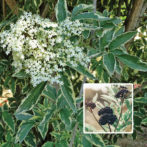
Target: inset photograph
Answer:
[[108, 108]]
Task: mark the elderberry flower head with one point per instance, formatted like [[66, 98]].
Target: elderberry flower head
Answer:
[[43, 48]]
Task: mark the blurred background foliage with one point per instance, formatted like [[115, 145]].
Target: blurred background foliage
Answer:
[[124, 9]]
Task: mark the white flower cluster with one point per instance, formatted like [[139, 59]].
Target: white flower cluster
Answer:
[[42, 48]]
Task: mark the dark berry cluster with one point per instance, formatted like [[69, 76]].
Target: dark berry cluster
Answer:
[[107, 116], [91, 105], [105, 110], [122, 93], [123, 87]]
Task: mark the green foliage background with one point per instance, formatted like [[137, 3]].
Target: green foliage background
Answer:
[[54, 116]]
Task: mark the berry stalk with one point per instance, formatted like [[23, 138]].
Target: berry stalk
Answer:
[[122, 100], [109, 127], [96, 119]]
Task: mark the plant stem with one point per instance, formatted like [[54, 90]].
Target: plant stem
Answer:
[[109, 128], [96, 119], [110, 138], [45, 11], [76, 125], [95, 5], [81, 91], [4, 8], [13, 6], [122, 100], [73, 135]]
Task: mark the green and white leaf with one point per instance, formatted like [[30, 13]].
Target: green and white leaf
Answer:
[[121, 39], [23, 130], [86, 15], [86, 34], [90, 15], [95, 139], [50, 92], [61, 103], [31, 99], [13, 85], [65, 116], [117, 52], [8, 119], [61, 144], [20, 75], [67, 92], [144, 121], [133, 62], [80, 8], [48, 144], [43, 129], [82, 70], [23, 116], [119, 32], [106, 38], [30, 139], [86, 142], [61, 10], [94, 53], [80, 116], [142, 100], [6, 144], [43, 124], [89, 128], [109, 62]]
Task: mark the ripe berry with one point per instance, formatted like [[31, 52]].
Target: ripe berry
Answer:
[[105, 110], [91, 105], [112, 119], [103, 120], [122, 93]]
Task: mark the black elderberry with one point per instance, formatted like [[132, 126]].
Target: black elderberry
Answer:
[[122, 93], [107, 118], [123, 87], [91, 105], [105, 110]]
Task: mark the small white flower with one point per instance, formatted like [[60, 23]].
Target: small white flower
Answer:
[[59, 39]]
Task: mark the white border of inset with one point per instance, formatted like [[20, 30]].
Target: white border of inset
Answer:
[[121, 84]]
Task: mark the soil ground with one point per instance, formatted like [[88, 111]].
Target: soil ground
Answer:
[[141, 140]]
